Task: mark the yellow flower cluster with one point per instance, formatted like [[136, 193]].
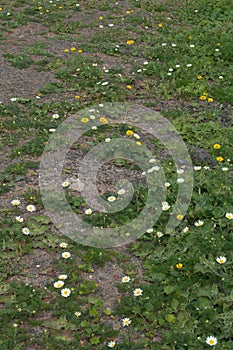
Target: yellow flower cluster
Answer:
[[73, 49]]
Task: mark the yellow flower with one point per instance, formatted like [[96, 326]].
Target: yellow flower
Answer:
[[219, 159], [103, 120], [40, 7], [160, 25], [216, 145], [80, 51], [130, 42], [203, 98], [60, 7], [138, 143], [199, 77], [210, 99], [179, 266], [47, 10], [73, 49], [129, 87], [66, 50], [85, 120], [129, 132], [179, 217], [128, 12], [100, 18], [77, 97]]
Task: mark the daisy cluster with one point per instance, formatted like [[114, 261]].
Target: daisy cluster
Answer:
[[20, 219]]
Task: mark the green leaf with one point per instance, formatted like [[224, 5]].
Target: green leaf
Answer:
[[95, 341], [170, 318], [107, 312], [42, 219], [169, 289], [174, 304], [203, 293]]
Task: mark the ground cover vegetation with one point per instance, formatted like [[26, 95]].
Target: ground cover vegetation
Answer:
[[164, 291]]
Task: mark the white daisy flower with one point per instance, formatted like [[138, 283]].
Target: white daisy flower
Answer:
[[150, 230], [180, 180], [221, 259], [77, 314], [198, 223], [137, 292], [19, 219], [31, 207], [229, 216], [126, 321], [107, 139], [58, 284], [111, 199], [211, 340], [121, 191], [136, 136], [154, 168], [167, 184], [88, 211], [111, 344], [180, 171], [63, 244], [225, 169], [197, 168], [26, 231], [186, 229], [65, 184], [165, 206], [15, 202], [66, 255], [62, 277], [159, 234], [125, 279], [55, 116], [65, 292]]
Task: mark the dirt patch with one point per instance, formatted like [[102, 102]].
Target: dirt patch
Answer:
[[38, 269], [24, 83]]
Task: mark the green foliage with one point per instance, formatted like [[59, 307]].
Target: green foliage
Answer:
[[180, 63]]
